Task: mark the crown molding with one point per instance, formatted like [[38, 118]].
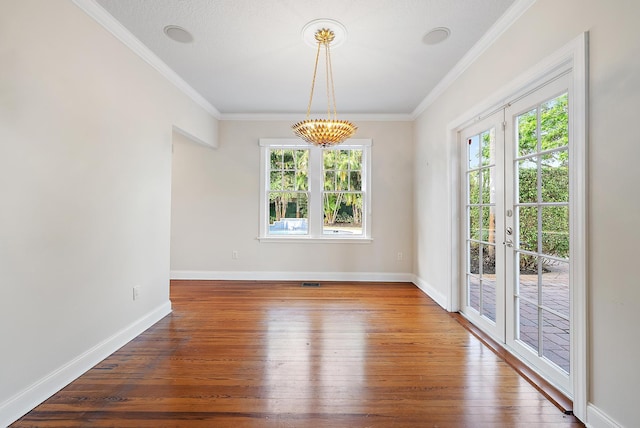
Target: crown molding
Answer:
[[296, 117], [501, 25], [102, 17], [95, 11]]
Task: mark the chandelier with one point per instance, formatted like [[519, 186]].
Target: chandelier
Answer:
[[330, 131]]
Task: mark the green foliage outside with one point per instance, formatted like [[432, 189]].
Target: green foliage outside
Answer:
[[342, 187], [553, 169], [289, 184], [555, 220], [554, 119]]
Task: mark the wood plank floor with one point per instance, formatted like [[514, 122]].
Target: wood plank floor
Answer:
[[274, 354]]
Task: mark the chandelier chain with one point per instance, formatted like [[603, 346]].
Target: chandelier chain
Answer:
[[333, 90], [313, 81], [327, 67], [324, 132]]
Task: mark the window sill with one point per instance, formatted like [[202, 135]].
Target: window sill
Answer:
[[315, 239]]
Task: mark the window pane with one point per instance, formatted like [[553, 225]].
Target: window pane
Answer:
[[288, 214], [302, 159], [302, 180], [329, 180], [489, 298], [276, 159], [489, 261], [555, 286], [275, 179], [288, 180], [356, 202], [342, 169], [555, 339], [473, 299], [528, 277], [343, 160], [488, 185], [288, 169], [555, 231], [356, 160], [474, 223], [555, 177], [473, 148], [342, 180], [527, 133], [473, 180], [528, 324], [288, 159], [528, 181], [332, 204], [355, 180], [554, 129], [342, 213], [474, 257], [488, 224], [488, 147], [329, 159], [528, 228]]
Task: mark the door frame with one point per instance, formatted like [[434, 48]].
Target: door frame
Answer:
[[574, 57]]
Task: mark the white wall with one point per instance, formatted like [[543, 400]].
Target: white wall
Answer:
[[215, 207], [85, 158], [613, 177]]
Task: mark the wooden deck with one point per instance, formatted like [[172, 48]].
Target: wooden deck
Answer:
[[275, 354]]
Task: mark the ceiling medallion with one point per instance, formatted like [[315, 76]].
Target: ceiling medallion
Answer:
[[330, 131]]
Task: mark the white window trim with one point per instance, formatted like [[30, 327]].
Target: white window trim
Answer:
[[315, 199]]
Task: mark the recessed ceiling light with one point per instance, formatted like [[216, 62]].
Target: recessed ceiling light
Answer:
[[435, 36], [178, 34]]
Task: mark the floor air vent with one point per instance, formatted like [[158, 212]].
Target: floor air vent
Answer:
[[311, 284]]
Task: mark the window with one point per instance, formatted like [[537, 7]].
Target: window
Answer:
[[288, 194], [309, 192]]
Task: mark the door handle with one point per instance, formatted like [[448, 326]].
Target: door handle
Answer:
[[509, 243]]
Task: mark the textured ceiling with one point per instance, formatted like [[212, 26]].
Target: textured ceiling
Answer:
[[248, 56]]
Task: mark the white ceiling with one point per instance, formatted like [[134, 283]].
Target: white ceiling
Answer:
[[248, 56]]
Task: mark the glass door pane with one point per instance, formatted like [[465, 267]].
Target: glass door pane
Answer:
[[538, 257], [483, 297], [543, 243]]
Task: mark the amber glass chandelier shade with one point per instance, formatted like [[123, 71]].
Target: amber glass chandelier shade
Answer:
[[330, 131], [324, 132]]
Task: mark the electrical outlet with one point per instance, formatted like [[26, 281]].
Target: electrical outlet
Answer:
[[400, 256], [136, 292], [234, 254]]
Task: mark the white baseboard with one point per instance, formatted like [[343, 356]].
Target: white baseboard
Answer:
[[437, 296], [596, 418], [292, 276], [25, 400]]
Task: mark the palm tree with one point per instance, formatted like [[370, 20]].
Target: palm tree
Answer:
[[342, 183], [284, 180]]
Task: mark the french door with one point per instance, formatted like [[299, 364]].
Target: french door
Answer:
[[484, 225], [516, 231]]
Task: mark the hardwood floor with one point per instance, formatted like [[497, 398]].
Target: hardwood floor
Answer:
[[275, 354]]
